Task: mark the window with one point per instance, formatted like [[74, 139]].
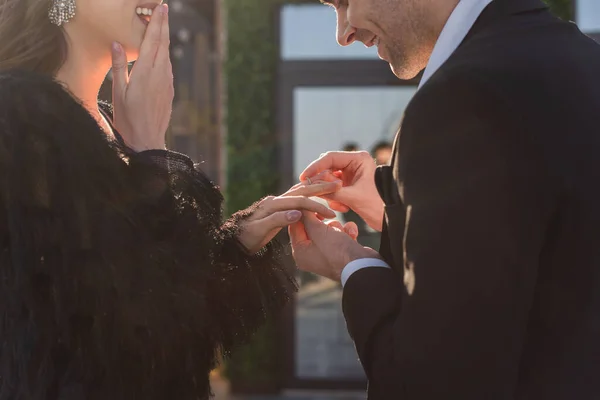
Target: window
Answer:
[[326, 118], [308, 32], [587, 14]]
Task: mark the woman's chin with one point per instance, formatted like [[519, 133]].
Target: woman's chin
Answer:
[[132, 51], [133, 55], [132, 47]]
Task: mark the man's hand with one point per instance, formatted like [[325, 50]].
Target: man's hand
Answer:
[[325, 249], [359, 193]]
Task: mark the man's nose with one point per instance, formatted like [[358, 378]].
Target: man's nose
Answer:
[[346, 33]]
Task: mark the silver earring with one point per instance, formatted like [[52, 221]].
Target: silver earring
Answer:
[[61, 11]]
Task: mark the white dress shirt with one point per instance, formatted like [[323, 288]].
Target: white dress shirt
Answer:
[[455, 30]]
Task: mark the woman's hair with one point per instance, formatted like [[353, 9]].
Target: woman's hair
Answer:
[[28, 40]]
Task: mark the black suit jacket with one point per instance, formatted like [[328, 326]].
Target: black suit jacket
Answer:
[[492, 223]]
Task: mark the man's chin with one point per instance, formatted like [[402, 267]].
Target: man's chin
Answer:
[[403, 71]]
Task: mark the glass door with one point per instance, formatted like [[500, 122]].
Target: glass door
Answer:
[[328, 98], [329, 118]]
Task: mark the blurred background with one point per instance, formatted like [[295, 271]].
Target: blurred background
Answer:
[[262, 89]]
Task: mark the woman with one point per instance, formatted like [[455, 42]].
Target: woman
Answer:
[[118, 278]]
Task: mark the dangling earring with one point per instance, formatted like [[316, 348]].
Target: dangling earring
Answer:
[[61, 11]]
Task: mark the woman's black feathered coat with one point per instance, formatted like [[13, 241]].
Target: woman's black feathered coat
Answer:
[[118, 278]]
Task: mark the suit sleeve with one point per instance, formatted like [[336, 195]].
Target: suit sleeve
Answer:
[[478, 203]]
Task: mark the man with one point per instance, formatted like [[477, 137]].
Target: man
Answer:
[[350, 146], [487, 284], [382, 152]]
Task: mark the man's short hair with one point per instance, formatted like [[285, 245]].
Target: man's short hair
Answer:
[[382, 144], [350, 146]]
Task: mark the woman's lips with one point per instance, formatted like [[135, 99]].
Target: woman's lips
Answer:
[[144, 12]]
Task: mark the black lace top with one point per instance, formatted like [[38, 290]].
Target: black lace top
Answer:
[[118, 277]]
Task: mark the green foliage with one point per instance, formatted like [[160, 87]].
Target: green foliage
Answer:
[[252, 146], [250, 73], [254, 366], [562, 8], [252, 150]]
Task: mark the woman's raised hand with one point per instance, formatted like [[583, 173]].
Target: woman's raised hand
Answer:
[[143, 99]]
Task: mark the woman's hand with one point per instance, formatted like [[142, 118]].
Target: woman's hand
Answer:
[[143, 100], [274, 213]]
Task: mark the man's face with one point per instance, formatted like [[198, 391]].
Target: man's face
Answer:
[[404, 31], [383, 155]]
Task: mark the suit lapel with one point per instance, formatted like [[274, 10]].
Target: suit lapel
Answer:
[[391, 247]]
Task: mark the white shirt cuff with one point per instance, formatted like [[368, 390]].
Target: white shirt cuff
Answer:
[[359, 264]]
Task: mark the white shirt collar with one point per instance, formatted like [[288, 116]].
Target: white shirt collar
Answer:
[[456, 29]]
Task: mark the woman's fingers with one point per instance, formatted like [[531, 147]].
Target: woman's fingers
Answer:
[[163, 55], [336, 205], [276, 221], [152, 37], [143, 103], [327, 176], [306, 183], [319, 189], [315, 188], [257, 233], [271, 205], [320, 178], [120, 72]]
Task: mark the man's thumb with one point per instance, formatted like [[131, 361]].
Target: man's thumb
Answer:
[[313, 226], [119, 70], [340, 198]]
